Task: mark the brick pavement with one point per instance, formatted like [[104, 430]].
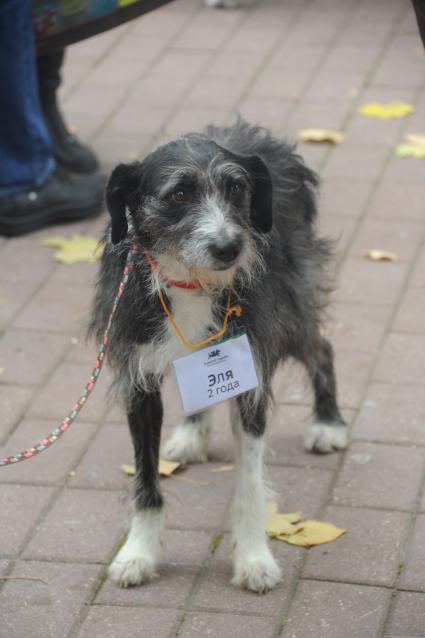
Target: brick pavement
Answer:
[[286, 64]]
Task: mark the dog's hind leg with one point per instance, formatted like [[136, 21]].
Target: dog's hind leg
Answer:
[[136, 561], [328, 431], [190, 440], [254, 566]]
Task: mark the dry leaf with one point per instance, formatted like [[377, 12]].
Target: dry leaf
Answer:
[[375, 254], [77, 248], [1, 370], [166, 468], [386, 111], [416, 140], [321, 135], [410, 150], [281, 523], [223, 468], [310, 533]]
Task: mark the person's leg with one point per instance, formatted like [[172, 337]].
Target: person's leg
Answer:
[[68, 151], [34, 192], [25, 149]]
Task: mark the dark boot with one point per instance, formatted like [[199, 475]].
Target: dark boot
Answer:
[[68, 151]]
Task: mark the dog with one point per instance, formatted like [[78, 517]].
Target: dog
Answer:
[[232, 209]]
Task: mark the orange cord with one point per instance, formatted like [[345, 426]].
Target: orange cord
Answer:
[[229, 311]]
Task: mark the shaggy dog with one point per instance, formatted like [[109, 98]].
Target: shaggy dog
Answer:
[[231, 210]]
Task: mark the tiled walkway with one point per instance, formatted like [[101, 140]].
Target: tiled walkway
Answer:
[[287, 64]]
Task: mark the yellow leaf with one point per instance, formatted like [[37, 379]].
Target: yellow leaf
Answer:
[[416, 140], [166, 468], [129, 470], [386, 111], [410, 150], [321, 135], [312, 533], [1, 370], [278, 524], [223, 468], [77, 248], [375, 254]]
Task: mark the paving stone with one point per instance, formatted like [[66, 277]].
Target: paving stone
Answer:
[[401, 238], [354, 557], [27, 356], [200, 500], [380, 475], [393, 200], [338, 229], [201, 624], [297, 488], [344, 197], [64, 388], [12, 298], [357, 327], [170, 589], [317, 112], [13, 403], [343, 611], [401, 359], [52, 466], [100, 466], [57, 308], [412, 576], [392, 414], [411, 314], [354, 162], [108, 622], [369, 282], [408, 616], [215, 592], [417, 279], [83, 526], [22, 260], [21, 506]]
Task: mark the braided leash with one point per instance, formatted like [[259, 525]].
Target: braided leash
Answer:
[[68, 420]]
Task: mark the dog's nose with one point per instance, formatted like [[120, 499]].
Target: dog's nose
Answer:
[[226, 250]]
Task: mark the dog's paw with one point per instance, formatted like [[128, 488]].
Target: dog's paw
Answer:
[[257, 573], [187, 444], [127, 571], [323, 438]]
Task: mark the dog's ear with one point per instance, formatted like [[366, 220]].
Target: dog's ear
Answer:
[[262, 194], [124, 181]]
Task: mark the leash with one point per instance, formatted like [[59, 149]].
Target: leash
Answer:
[[68, 420], [59, 431]]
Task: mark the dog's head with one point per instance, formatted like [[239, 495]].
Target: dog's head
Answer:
[[194, 203]]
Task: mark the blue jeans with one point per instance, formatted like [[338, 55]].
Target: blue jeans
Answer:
[[26, 158]]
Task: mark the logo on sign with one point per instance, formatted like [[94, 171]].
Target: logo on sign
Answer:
[[213, 354]]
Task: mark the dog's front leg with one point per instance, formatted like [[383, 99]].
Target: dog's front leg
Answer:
[[254, 566], [136, 562]]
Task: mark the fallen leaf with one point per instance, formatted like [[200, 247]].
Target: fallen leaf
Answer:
[[318, 135], [310, 533], [416, 140], [386, 111], [410, 150], [166, 468], [375, 254], [279, 524], [223, 468], [76, 249], [1, 370]]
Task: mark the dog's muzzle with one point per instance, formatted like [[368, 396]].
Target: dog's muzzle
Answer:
[[226, 251]]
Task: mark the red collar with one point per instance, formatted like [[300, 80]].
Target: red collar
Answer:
[[186, 285]]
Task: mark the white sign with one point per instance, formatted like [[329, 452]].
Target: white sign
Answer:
[[216, 373]]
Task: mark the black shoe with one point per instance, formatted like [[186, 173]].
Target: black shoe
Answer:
[[67, 150], [63, 197]]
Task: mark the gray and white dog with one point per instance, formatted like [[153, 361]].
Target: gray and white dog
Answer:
[[231, 209]]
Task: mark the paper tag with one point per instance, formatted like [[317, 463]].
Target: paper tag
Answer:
[[216, 373]]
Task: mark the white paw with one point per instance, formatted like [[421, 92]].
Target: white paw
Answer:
[[126, 571], [188, 443], [258, 573], [324, 438]]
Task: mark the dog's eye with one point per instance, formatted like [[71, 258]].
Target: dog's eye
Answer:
[[235, 188], [180, 196]]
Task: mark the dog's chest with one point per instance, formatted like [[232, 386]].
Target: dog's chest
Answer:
[[193, 313]]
